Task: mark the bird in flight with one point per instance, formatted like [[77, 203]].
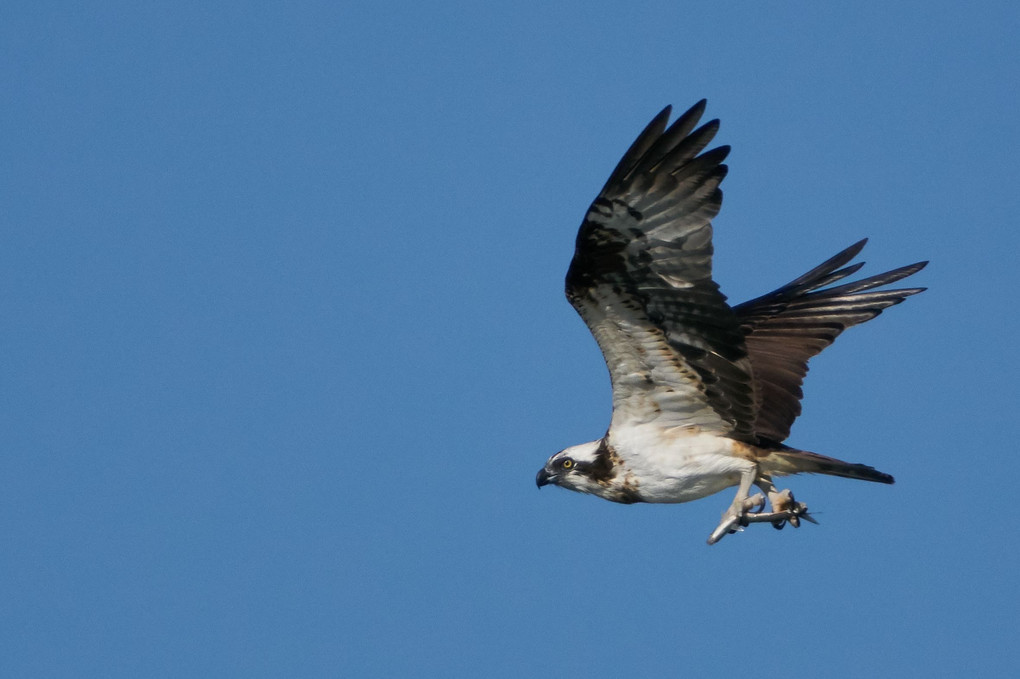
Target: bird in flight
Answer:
[[704, 394]]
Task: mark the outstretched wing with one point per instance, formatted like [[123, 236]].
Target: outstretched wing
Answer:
[[788, 326], [641, 278]]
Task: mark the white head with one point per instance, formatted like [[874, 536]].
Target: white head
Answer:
[[577, 468]]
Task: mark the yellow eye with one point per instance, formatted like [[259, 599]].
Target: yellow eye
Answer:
[[567, 463]]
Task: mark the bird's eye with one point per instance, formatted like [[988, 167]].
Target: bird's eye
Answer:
[[567, 463]]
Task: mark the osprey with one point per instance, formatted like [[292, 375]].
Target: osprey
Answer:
[[704, 394]]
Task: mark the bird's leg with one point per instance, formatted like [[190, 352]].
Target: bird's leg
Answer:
[[745, 510], [738, 515], [784, 507]]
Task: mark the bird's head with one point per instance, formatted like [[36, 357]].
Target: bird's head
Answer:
[[571, 468]]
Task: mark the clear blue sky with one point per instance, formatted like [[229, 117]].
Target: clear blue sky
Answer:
[[284, 339]]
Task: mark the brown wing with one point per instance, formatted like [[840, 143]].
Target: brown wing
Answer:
[[788, 326], [641, 278]]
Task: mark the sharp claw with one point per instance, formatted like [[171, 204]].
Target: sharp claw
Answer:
[[788, 510], [754, 504], [784, 510]]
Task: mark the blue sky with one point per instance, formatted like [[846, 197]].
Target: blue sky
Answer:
[[285, 342]]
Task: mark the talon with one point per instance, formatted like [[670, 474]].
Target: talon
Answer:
[[754, 504], [782, 501], [743, 511]]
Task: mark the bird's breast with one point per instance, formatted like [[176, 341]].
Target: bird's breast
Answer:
[[672, 466]]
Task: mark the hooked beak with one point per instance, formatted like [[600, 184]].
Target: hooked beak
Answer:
[[543, 478]]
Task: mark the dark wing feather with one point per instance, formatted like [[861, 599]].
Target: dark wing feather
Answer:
[[788, 326], [641, 278]]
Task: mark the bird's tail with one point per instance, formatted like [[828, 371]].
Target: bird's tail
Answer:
[[787, 461]]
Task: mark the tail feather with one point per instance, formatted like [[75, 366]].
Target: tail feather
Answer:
[[792, 461]]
